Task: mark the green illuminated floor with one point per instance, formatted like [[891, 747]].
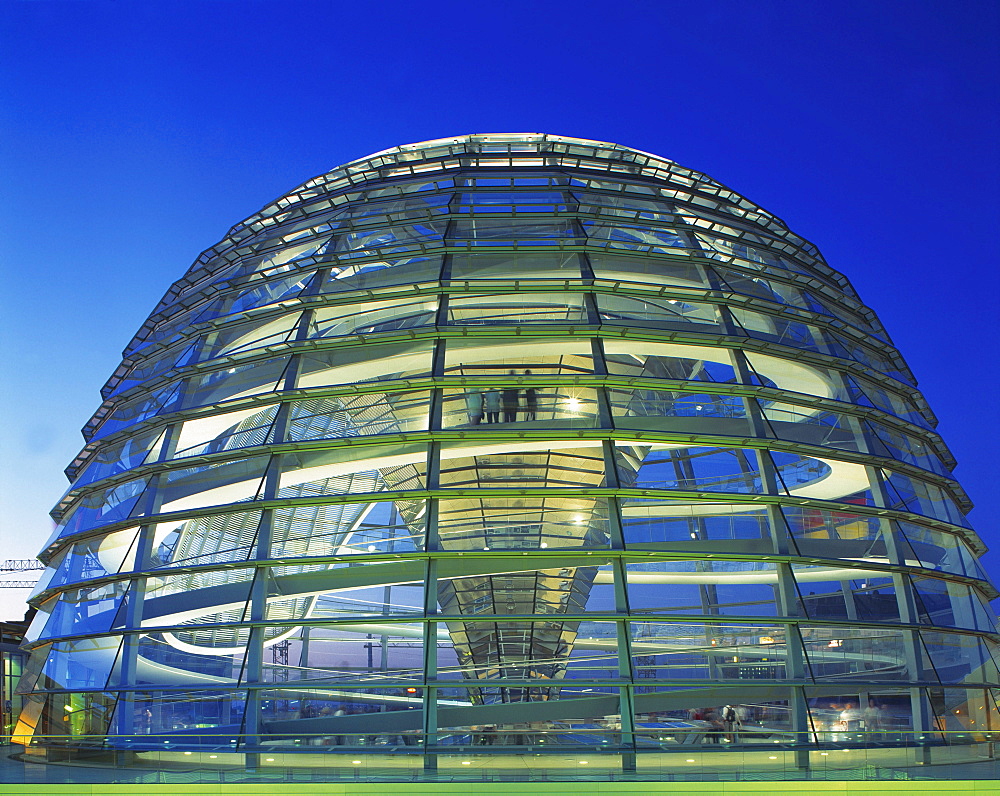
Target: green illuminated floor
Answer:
[[509, 789]]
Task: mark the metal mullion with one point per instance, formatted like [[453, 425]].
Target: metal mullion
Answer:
[[781, 536], [253, 665], [923, 715], [129, 654], [136, 593]]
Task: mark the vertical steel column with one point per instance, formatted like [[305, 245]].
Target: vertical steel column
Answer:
[[136, 593], [920, 707], [252, 676], [782, 542]]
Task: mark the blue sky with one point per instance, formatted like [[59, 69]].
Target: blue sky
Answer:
[[133, 135]]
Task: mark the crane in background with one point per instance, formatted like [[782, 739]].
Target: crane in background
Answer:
[[20, 565]]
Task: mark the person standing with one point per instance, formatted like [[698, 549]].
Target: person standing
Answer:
[[731, 722], [510, 402], [530, 401], [491, 402], [474, 406], [872, 717]]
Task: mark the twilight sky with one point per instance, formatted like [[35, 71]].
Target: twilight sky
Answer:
[[135, 134]]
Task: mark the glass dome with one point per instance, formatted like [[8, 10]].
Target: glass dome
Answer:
[[512, 443]]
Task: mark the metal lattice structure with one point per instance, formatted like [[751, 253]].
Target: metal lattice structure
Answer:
[[512, 440]]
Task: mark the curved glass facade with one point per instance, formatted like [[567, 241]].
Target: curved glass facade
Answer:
[[511, 441]]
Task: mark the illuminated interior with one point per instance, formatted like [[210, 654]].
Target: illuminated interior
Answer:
[[518, 441]]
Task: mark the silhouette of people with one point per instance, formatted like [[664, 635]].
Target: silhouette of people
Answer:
[[731, 721], [873, 717], [530, 401], [474, 406], [509, 401], [491, 402]]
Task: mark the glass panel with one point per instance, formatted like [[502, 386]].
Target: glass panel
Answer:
[[800, 377], [95, 557], [949, 604], [741, 251], [239, 381], [370, 719], [102, 507], [557, 265], [658, 313], [42, 615], [382, 273], [204, 540], [364, 654], [491, 357], [348, 529], [497, 232], [530, 586], [963, 710], [890, 402], [709, 651], [733, 527], [87, 610], [910, 494], [364, 363], [517, 309], [783, 331], [511, 202], [394, 239], [846, 347], [339, 471], [661, 466], [740, 588], [820, 478], [677, 412], [78, 715], [853, 717], [759, 287], [647, 271], [195, 599], [523, 523], [372, 317], [812, 426], [522, 464], [531, 407], [230, 431], [84, 663], [537, 651], [206, 716], [167, 330], [160, 401], [258, 293], [888, 441], [249, 336], [836, 534], [121, 456], [668, 361], [637, 238], [157, 363], [211, 485], [934, 549], [855, 653], [349, 589], [358, 415], [960, 658], [556, 716], [849, 594]]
